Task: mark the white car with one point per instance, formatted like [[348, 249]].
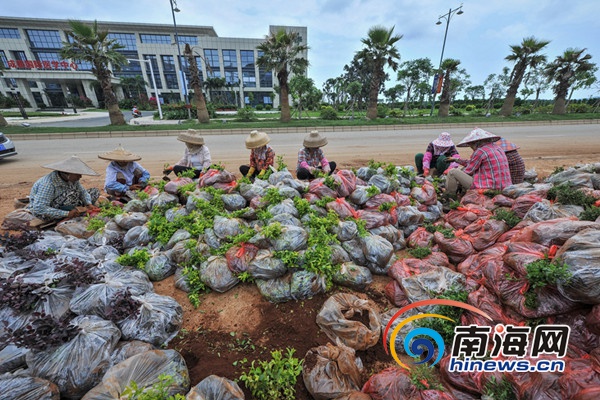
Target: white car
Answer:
[[7, 147]]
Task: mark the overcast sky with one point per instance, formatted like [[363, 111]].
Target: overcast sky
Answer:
[[480, 38]]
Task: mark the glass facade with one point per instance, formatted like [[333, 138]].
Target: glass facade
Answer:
[[168, 63], [125, 39], [3, 59], [9, 33], [213, 67], [161, 39], [154, 62], [191, 40], [265, 76], [42, 39], [248, 72]]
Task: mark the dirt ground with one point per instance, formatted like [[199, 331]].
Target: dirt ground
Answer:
[[240, 324]]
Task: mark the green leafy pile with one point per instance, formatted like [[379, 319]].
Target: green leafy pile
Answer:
[[158, 391], [541, 273], [444, 327], [499, 390], [566, 193], [419, 252], [138, 258], [507, 216]]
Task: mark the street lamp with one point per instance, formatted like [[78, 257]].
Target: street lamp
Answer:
[[13, 90], [175, 9], [447, 17], [153, 83]]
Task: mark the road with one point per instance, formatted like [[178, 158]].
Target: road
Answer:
[[101, 119], [542, 147]]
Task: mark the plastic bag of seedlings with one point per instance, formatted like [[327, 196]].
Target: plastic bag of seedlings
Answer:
[[173, 185], [105, 253], [135, 206], [484, 233], [286, 219], [342, 208], [265, 266], [129, 220], [581, 254], [239, 257], [365, 173], [159, 267], [361, 194], [23, 387], [292, 238], [383, 183], [75, 227], [20, 217], [346, 230], [581, 338], [162, 199], [228, 227], [164, 367], [211, 239], [318, 188], [377, 251], [285, 207], [194, 198], [157, 321], [556, 231], [233, 201], [178, 236], [181, 252], [424, 194], [355, 251], [373, 219], [49, 240], [465, 215], [106, 236], [279, 176], [392, 235], [577, 177], [306, 284], [520, 189], [215, 274], [523, 203], [175, 212], [250, 191], [227, 188], [431, 283], [137, 236], [354, 395], [181, 281], [420, 238], [351, 319], [353, 276], [338, 254], [275, 290], [214, 387], [213, 176], [408, 216], [128, 348], [545, 210], [97, 298], [346, 182], [12, 358], [457, 248], [79, 364], [331, 370], [375, 202], [485, 301]]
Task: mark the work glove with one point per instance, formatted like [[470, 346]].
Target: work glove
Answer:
[[261, 173], [425, 171], [250, 172], [168, 170]]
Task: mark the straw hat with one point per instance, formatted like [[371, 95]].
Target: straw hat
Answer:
[[444, 140], [192, 136], [257, 139], [507, 146], [72, 165], [478, 135], [314, 139], [120, 154]]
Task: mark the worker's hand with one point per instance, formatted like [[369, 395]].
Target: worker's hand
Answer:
[[425, 171], [137, 186], [327, 169], [261, 173], [167, 169], [452, 159], [73, 213]]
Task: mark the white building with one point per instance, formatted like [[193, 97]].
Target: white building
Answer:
[[32, 67]]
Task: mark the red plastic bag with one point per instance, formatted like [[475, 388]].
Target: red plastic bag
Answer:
[[425, 194], [401, 199], [463, 216], [477, 198], [523, 203], [391, 383], [342, 208], [318, 187], [395, 294], [419, 238], [239, 257], [457, 248], [473, 265], [373, 219], [346, 182], [374, 202], [484, 233]]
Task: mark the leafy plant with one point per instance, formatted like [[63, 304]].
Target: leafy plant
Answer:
[[541, 273], [17, 241], [42, 332], [245, 277], [590, 214], [274, 379], [374, 164], [272, 231], [189, 187], [419, 252], [141, 195], [289, 258], [390, 171], [188, 173], [454, 204], [330, 182], [373, 191], [444, 327], [272, 196], [491, 193], [387, 206], [565, 193], [323, 201], [281, 165], [302, 205], [122, 306], [361, 226], [18, 295], [95, 223], [499, 390], [78, 273], [507, 216], [158, 391], [109, 210], [138, 258], [425, 378]]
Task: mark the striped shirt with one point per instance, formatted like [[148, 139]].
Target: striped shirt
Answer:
[[309, 157], [489, 167], [46, 189]]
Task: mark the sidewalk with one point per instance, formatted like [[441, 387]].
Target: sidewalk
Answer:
[[66, 116]]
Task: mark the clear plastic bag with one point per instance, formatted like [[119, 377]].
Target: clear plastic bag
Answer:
[[215, 274], [23, 387], [216, 388]]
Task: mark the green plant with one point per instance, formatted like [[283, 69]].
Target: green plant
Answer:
[[491, 193], [289, 258], [425, 378], [361, 226], [499, 390], [447, 232], [541, 273], [328, 113], [245, 114], [190, 187], [109, 210], [273, 196], [138, 258], [281, 165], [387, 206], [158, 391], [590, 213], [323, 201], [141, 195], [454, 204], [419, 252], [189, 173], [507, 216], [272, 231], [274, 379], [565, 193], [245, 277], [444, 327], [373, 191], [302, 205]]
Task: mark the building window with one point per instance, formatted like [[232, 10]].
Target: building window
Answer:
[[20, 59], [213, 66], [191, 40], [161, 39], [3, 59], [10, 82], [50, 60], [249, 78], [171, 80], [32, 84], [231, 77], [124, 39], [42, 39], [229, 59], [247, 57], [9, 33], [168, 63], [154, 62], [265, 76]]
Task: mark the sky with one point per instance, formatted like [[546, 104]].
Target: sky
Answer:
[[480, 38]]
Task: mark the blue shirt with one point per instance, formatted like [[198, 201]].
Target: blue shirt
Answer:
[[110, 183], [48, 188]]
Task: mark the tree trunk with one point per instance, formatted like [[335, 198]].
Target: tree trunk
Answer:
[[196, 84], [110, 99], [373, 93], [511, 93], [406, 102], [445, 97], [3, 121], [560, 102]]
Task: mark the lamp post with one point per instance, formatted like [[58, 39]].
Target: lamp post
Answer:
[[160, 114], [13, 90], [447, 17], [175, 9]]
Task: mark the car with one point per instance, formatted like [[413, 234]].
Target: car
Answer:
[[7, 147]]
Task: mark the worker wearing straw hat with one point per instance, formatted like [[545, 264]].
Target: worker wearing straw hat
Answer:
[[436, 154], [262, 155], [486, 169], [515, 161], [59, 194], [196, 156], [123, 173], [311, 159]]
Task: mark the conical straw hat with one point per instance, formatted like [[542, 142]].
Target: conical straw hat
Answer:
[[119, 154], [478, 135], [192, 136], [72, 165], [315, 139], [257, 139]]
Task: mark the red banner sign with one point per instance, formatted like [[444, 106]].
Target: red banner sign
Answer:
[[35, 64]]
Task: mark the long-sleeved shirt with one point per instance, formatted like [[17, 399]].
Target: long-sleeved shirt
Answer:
[[311, 157], [433, 152], [46, 189], [113, 169], [489, 167], [262, 161], [199, 159]]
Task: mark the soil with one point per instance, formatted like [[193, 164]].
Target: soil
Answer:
[[241, 324]]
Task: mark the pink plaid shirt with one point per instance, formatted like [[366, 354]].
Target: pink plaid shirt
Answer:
[[489, 167]]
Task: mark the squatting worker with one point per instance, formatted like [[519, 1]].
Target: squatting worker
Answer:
[[196, 156], [311, 158], [262, 156], [515, 161], [59, 194], [436, 155], [486, 169], [123, 173]]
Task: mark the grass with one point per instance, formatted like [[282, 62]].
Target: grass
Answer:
[[272, 122]]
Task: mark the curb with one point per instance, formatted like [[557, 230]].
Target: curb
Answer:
[[284, 130]]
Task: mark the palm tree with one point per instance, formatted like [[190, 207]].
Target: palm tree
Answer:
[[134, 86], [525, 56], [196, 84], [449, 66], [282, 53], [563, 71], [90, 44], [380, 51]]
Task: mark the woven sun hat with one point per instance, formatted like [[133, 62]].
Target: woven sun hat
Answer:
[[257, 139], [192, 136], [507, 146], [477, 135], [72, 165], [315, 139], [444, 140], [120, 154]]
